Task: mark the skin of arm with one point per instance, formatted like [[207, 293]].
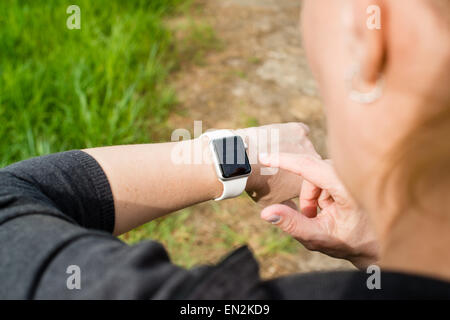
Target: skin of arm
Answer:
[[147, 183]]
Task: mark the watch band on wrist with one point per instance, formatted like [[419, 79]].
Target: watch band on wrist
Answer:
[[232, 187]]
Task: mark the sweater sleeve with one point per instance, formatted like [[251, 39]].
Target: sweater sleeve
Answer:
[[56, 219], [70, 185]]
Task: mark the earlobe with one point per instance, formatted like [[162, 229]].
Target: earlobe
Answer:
[[357, 95]]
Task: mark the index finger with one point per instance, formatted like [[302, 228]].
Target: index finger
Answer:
[[317, 171]]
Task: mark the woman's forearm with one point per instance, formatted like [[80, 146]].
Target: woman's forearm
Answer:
[[147, 183], [151, 180]]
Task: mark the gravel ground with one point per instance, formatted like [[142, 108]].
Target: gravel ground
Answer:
[[260, 76]]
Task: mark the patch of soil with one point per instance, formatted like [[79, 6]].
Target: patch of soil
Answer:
[[260, 76]]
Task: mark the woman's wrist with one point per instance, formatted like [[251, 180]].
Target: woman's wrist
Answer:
[[216, 187], [207, 171], [252, 150]]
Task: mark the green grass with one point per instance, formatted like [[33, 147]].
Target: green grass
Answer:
[[105, 84], [178, 237], [197, 39]]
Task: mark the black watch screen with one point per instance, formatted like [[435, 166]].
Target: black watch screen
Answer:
[[233, 160]]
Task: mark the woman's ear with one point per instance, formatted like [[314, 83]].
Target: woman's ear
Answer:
[[367, 26]]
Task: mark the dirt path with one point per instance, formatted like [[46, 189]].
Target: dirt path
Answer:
[[259, 77]]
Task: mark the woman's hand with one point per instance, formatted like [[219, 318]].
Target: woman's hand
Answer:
[[268, 186], [340, 229]]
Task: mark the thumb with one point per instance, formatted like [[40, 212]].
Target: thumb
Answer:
[[290, 221]]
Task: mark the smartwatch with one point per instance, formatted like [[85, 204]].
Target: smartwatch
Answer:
[[230, 159]]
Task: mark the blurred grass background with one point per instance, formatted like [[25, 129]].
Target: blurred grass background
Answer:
[[106, 84]]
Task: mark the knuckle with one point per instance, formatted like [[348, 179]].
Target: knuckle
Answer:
[[290, 226], [341, 198]]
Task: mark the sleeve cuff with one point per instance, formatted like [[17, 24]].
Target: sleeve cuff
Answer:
[[100, 183]]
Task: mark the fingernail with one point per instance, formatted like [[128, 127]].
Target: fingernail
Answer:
[[274, 219]]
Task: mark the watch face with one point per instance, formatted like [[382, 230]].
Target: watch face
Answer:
[[233, 160]]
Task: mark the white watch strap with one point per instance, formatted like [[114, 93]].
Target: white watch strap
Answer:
[[231, 188], [217, 134]]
